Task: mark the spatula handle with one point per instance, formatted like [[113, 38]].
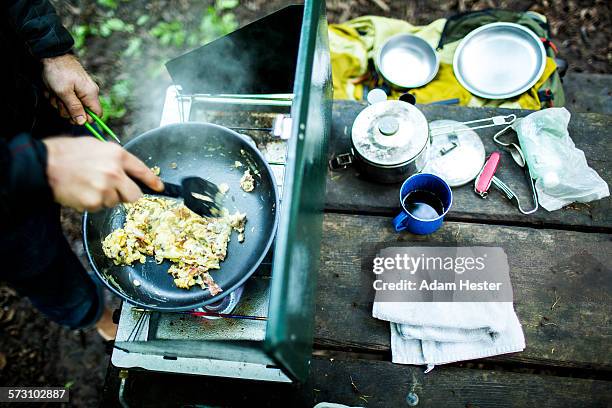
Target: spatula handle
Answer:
[[170, 189]]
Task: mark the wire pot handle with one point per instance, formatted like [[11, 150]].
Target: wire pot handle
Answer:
[[474, 124]]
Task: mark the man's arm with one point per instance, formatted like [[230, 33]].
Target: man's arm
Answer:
[[23, 180], [39, 26], [81, 173]]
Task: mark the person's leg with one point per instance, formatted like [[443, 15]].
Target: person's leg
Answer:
[[39, 263]]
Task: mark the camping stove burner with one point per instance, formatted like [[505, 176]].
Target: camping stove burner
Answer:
[[224, 306], [144, 338]]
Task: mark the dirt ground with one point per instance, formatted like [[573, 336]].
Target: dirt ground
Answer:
[[34, 351]]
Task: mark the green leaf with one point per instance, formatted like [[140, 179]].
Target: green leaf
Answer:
[[115, 24], [122, 89], [112, 4], [179, 38], [193, 39], [142, 20], [79, 33], [229, 23], [169, 33], [226, 4], [133, 48], [214, 25], [105, 31], [165, 38], [115, 102]]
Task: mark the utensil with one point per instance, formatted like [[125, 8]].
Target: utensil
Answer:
[[103, 125], [202, 150], [515, 150], [499, 60], [199, 195], [407, 61], [484, 179], [473, 125], [487, 177], [424, 214]]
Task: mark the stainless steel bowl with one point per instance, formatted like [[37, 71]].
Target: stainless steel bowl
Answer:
[[499, 60], [406, 61]]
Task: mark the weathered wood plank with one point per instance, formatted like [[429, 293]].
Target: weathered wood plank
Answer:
[[590, 132], [568, 269], [362, 383], [383, 384]]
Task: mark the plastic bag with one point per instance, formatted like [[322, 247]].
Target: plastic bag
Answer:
[[560, 169]]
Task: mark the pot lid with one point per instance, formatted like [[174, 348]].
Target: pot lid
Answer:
[[456, 157], [390, 133]]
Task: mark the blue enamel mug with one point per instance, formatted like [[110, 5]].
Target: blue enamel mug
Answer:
[[425, 200]]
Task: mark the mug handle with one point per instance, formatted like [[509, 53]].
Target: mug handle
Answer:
[[398, 221]]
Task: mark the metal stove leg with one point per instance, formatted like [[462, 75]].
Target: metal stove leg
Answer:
[[123, 375]]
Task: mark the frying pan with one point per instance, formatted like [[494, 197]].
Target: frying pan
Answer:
[[208, 151]]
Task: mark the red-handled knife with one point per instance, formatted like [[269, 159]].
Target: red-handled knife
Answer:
[[484, 179]]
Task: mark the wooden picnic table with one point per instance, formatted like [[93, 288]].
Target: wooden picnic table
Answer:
[[559, 268]]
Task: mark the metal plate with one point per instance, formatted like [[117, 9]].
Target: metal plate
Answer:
[[499, 60], [394, 148], [455, 157], [407, 61]]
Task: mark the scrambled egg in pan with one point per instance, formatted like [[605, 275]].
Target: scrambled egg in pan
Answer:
[[166, 229], [247, 182]]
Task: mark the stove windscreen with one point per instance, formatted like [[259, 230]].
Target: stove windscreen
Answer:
[[259, 58]]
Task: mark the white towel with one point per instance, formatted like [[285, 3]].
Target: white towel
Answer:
[[444, 332]]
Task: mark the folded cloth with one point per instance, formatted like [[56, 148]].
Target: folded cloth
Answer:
[[444, 332]]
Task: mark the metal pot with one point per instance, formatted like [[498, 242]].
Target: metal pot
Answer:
[[386, 140], [406, 61], [391, 140]]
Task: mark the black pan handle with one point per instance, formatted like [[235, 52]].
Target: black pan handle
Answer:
[[170, 189]]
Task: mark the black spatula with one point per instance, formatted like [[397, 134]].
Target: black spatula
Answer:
[[200, 196]]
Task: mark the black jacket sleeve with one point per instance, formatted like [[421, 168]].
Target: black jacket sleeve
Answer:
[[38, 26], [23, 159], [23, 180]]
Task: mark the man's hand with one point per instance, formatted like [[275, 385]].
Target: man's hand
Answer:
[[71, 88], [87, 174]]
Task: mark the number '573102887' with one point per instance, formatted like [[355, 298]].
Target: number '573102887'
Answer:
[[34, 394]]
